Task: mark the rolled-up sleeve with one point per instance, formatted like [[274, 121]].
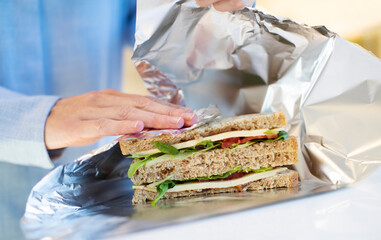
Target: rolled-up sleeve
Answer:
[[22, 124]]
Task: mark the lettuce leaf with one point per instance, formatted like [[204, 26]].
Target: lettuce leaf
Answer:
[[282, 135], [162, 189], [261, 170], [135, 166], [183, 154], [271, 132], [165, 148], [207, 144], [224, 175], [168, 150]]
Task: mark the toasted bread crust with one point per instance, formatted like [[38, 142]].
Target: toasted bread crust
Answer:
[[288, 179], [219, 161], [243, 122]]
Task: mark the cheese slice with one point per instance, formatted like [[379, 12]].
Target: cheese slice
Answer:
[[168, 157], [217, 137], [216, 184]]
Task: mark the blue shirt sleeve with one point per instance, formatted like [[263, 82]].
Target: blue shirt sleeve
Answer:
[[22, 122]]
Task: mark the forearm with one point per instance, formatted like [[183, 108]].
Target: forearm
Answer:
[[22, 124]]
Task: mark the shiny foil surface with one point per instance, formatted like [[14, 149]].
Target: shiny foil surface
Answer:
[[244, 62], [248, 62]]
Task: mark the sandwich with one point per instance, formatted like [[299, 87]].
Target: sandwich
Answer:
[[232, 154]]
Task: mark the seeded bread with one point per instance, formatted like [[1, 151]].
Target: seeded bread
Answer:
[[219, 161], [221, 125], [288, 179]]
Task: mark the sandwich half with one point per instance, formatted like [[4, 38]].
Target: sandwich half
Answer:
[[240, 153]]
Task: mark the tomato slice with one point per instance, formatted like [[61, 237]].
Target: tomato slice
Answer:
[[230, 177], [237, 140], [230, 141], [272, 136], [246, 139], [234, 176]]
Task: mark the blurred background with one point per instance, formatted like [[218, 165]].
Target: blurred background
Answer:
[[358, 21], [355, 20]]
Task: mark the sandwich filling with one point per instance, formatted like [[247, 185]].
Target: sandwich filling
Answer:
[[230, 140], [237, 177], [260, 133]]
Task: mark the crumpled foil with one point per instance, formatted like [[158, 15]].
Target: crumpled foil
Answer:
[[245, 62]]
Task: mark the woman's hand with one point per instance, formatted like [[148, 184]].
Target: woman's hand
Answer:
[[83, 119]]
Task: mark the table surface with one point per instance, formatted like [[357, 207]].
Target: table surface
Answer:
[[348, 213]]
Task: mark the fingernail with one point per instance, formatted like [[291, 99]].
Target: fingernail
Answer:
[[194, 119], [179, 122], [190, 118], [139, 126]]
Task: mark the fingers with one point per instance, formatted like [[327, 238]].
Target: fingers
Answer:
[[108, 127], [113, 98], [188, 115], [121, 113], [142, 100], [222, 5]]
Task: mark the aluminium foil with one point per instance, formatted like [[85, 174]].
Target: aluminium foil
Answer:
[[244, 61]]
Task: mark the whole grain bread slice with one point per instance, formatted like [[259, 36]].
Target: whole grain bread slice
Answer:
[[220, 125], [220, 161], [288, 179]]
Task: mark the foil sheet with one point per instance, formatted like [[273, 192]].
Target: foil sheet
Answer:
[[248, 61], [245, 61]]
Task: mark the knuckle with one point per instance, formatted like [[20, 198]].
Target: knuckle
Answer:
[[125, 112], [100, 127], [143, 102], [172, 112], [94, 96]]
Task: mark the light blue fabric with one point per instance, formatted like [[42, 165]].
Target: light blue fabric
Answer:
[[58, 48], [22, 122], [61, 47]]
